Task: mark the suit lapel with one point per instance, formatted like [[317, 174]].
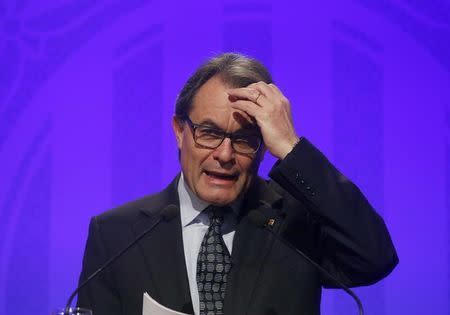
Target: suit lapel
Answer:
[[251, 245], [163, 252]]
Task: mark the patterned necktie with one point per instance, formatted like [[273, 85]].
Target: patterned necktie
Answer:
[[213, 264]]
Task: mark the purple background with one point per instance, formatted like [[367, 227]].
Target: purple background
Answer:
[[87, 91]]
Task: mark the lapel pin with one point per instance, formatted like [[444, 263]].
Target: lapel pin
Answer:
[[271, 222]]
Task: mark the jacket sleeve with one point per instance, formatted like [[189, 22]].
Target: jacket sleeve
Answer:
[[355, 244], [99, 294]]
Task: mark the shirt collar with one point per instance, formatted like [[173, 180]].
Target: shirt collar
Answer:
[[191, 206]]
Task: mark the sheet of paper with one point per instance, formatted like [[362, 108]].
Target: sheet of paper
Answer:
[[151, 307]]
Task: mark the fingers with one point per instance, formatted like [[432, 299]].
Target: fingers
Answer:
[[249, 107], [259, 93], [246, 93], [264, 88], [252, 98]]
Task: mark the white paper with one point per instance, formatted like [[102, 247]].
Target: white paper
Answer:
[[151, 307]]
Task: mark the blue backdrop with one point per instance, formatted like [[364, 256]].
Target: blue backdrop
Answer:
[[87, 91]]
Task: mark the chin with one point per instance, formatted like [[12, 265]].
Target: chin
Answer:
[[218, 198]]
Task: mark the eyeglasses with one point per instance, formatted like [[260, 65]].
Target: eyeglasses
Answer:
[[212, 138]]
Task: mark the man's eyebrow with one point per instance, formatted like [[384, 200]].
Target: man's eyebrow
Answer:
[[209, 122], [245, 129]]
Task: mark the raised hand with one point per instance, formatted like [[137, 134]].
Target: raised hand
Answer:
[[272, 112]]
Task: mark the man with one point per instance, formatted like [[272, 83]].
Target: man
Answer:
[[211, 258]]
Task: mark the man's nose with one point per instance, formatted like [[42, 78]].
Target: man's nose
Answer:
[[224, 153]]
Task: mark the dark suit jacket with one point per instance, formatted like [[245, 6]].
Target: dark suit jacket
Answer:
[[315, 208]]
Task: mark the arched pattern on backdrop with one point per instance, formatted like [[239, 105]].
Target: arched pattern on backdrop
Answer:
[[87, 90]]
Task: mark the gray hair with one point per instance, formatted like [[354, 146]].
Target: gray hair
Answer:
[[234, 69]]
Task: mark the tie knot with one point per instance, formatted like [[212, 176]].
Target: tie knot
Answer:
[[216, 214]]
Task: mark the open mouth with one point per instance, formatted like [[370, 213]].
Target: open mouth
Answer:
[[222, 176]]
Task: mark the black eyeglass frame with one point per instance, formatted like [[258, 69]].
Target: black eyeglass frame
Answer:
[[224, 135]]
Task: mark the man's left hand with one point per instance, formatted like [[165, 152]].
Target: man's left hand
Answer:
[[271, 111]]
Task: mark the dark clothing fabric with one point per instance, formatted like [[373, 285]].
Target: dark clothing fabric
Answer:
[[314, 207]]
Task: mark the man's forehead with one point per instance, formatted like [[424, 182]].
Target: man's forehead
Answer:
[[242, 124], [212, 105]]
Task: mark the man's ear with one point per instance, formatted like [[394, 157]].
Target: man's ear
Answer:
[[177, 126]]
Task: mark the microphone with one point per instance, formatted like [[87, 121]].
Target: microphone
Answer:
[[166, 215], [261, 221]]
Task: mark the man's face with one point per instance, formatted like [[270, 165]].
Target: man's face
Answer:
[[218, 175]]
